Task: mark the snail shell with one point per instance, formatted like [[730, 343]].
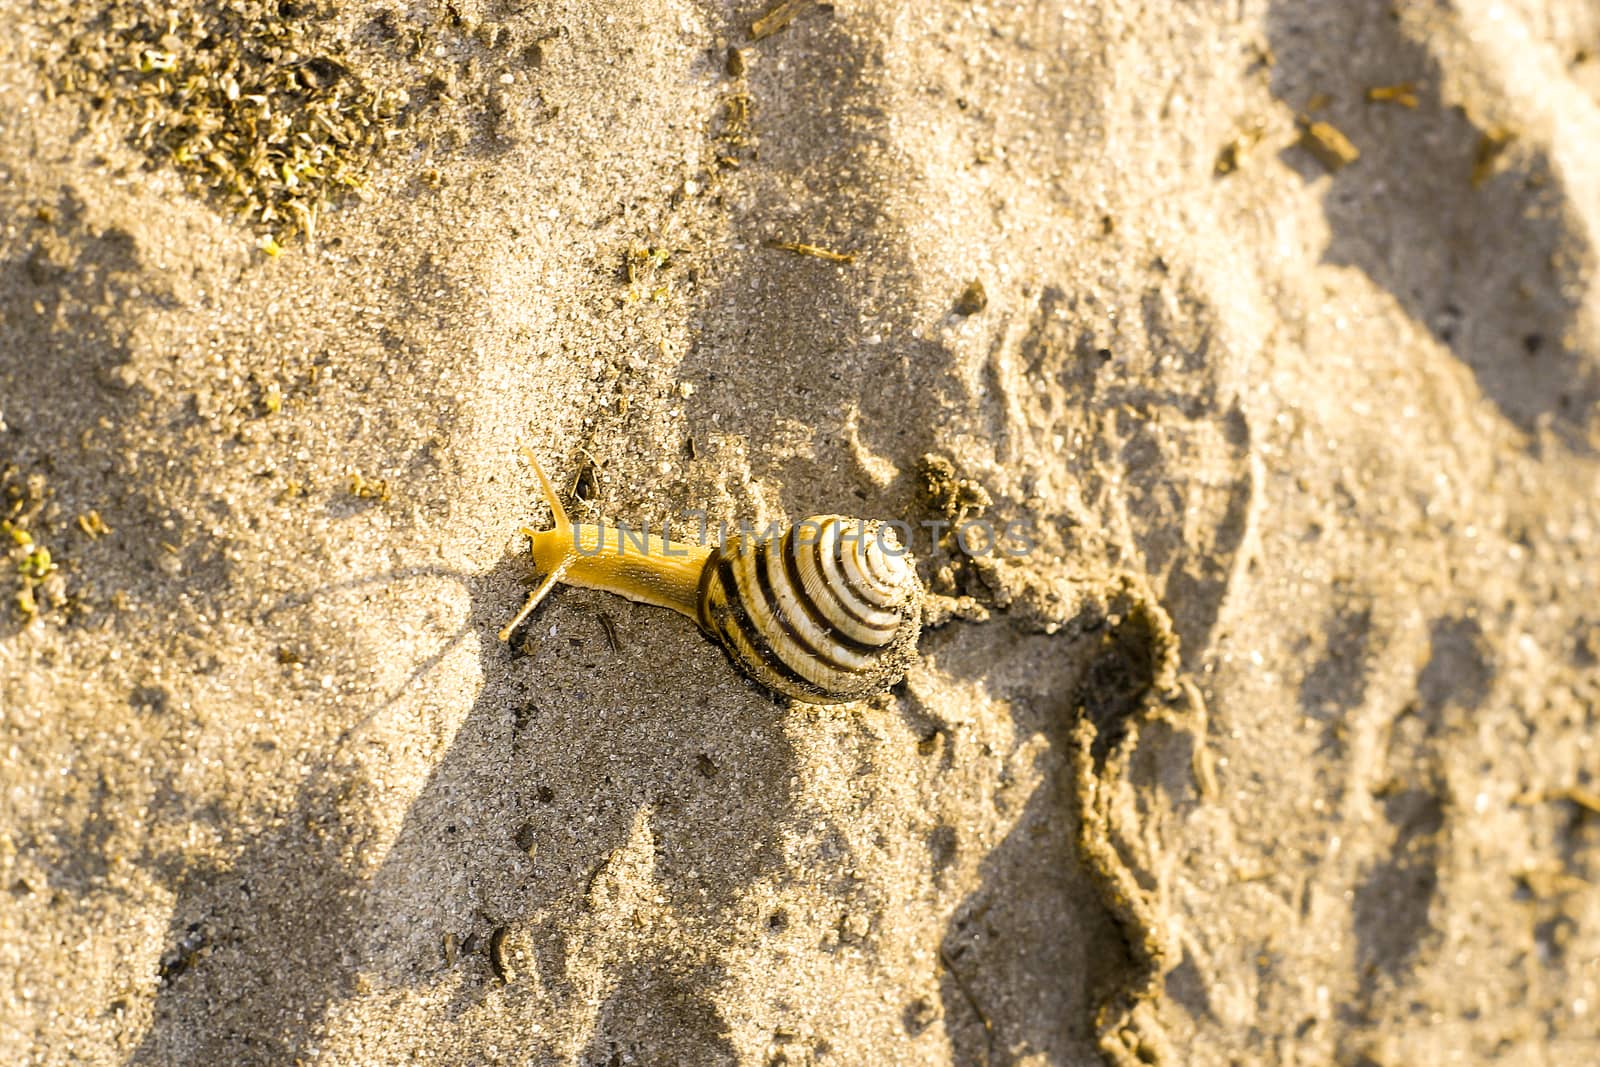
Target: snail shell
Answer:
[[829, 611], [826, 612]]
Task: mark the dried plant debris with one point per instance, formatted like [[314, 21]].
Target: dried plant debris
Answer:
[[1486, 157], [1328, 144], [1402, 93], [815, 251], [644, 271], [93, 525], [364, 488], [252, 100], [733, 136], [777, 17], [973, 299], [1231, 156], [34, 579]]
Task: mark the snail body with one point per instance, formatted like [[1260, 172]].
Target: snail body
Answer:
[[828, 611]]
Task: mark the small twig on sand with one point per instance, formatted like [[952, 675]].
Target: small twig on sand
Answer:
[[777, 17], [813, 250]]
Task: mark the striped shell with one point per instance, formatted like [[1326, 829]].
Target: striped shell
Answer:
[[828, 612]]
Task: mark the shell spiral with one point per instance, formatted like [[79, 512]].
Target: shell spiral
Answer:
[[828, 611]]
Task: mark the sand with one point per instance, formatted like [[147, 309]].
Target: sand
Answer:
[[1275, 747]]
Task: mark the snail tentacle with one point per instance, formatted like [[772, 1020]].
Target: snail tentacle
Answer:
[[554, 569], [638, 565]]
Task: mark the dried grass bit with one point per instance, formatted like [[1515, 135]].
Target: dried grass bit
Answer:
[[1331, 147], [92, 524], [1402, 93], [814, 251], [776, 18]]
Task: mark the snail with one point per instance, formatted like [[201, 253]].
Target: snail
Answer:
[[825, 612]]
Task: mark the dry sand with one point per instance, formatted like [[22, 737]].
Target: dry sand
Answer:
[[1278, 748]]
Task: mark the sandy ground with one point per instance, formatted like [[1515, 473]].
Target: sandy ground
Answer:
[[1277, 748]]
